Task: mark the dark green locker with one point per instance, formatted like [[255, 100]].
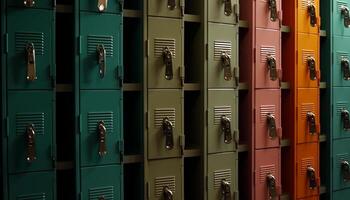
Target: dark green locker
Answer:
[[341, 168], [341, 116], [341, 62]]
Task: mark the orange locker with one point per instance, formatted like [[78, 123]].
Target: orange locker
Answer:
[[308, 15]]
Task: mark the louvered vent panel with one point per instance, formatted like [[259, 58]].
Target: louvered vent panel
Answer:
[[221, 46], [306, 54], [341, 105], [36, 196], [219, 111], [305, 163], [266, 51], [265, 110], [107, 193], [307, 107], [95, 40], [165, 181], [219, 175], [341, 4], [341, 55], [161, 43], [23, 38], [340, 158], [25, 119], [95, 117], [306, 3], [161, 113], [266, 170]]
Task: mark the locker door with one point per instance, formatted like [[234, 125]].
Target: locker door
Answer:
[[30, 141], [341, 60], [165, 53], [268, 14], [341, 167], [341, 109], [267, 174], [308, 180], [22, 187], [222, 176], [308, 60], [226, 11], [341, 194], [308, 16], [100, 132], [30, 58], [268, 59], [29, 4], [308, 115], [101, 6], [268, 130], [101, 46], [223, 120], [167, 8], [165, 125], [101, 182], [223, 56], [341, 17], [165, 179]]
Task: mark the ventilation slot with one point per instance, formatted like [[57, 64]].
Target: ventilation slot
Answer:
[[340, 4], [37, 196], [161, 43], [95, 40], [165, 181], [340, 158], [266, 51], [305, 163], [220, 175], [266, 170], [22, 39], [24, 119], [307, 54], [307, 107], [95, 117], [220, 47], [306, 3], [161, 113], [341, 105], [265, 110], [106, 192], [219, 111], [341, 55]]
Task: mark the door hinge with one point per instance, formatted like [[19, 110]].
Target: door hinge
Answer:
[[147, 48], [254, 55], [53, 75], [79, 45], [120, 149], [296, 56], [182, 143], [80, 121], [206, 117], [6, 43], [206, 51], [147, 120], [120, 75]]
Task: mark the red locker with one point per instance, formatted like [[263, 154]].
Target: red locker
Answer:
[[268, 14]]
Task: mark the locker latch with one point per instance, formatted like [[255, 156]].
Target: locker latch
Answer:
[[101, 56], [346, 119], [273, 10], [30, 139], [226, 64], [102, 131], [271, 63], [271, 123], [346, 15], [171, 4], [167, 193], [228, 7], [225, 190], [168, 61], [345, 168], [226, 129], [31, 65], [312, 13], [102, 5], [345, 65], [311, 174], [311, 62], [311, 119], [168, 132], [29, 3], [271, 185]]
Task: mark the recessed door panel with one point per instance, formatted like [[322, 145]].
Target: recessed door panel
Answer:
[[341, 109], [340, 17], [341, 61], [225, 11], [268, 14], [308, 16], [341, 166]]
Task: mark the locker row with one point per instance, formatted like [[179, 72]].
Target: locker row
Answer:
[[175, 99]]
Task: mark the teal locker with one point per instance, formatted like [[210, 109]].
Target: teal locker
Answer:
[[341, 61], [341, 165], [341, 116], [341, 17]]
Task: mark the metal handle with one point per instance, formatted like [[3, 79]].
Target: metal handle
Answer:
[[272, 66], [311, 119], [30, 139], [346, 119], [311, 63], [226, 129], [271, 186], [168, 62], [271, 124], [227, 7], [226, 64], [311, 175], [102, 131], [312, 13], [168, 133], [225, 190], [101, 57], [273, 10], [171, 4], [29, 3], [346, 14], [167, 193], [30, 59], [345, 169], [346, 68], [102, 5]]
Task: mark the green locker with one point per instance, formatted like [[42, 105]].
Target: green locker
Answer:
[[341, 167], [341, 106], [341, 62], [341, 17]]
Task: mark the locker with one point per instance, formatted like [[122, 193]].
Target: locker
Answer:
[[223, 56], [340, 123], [165, 123], [341, 66], [307, 172], [101, 46], [308, 16], [223, 120], [340, 163], [340, 17], [222, 176], [165, 179], [101, 182], [31, 4], [101, 135], [101, 6], [165, 53], [267, 174], [268, 72], [30, 58], [168, 8], [341, 194], [308, 60], [226, 12], [268, 14], [22, 186], [308, 115], [268, 131]]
